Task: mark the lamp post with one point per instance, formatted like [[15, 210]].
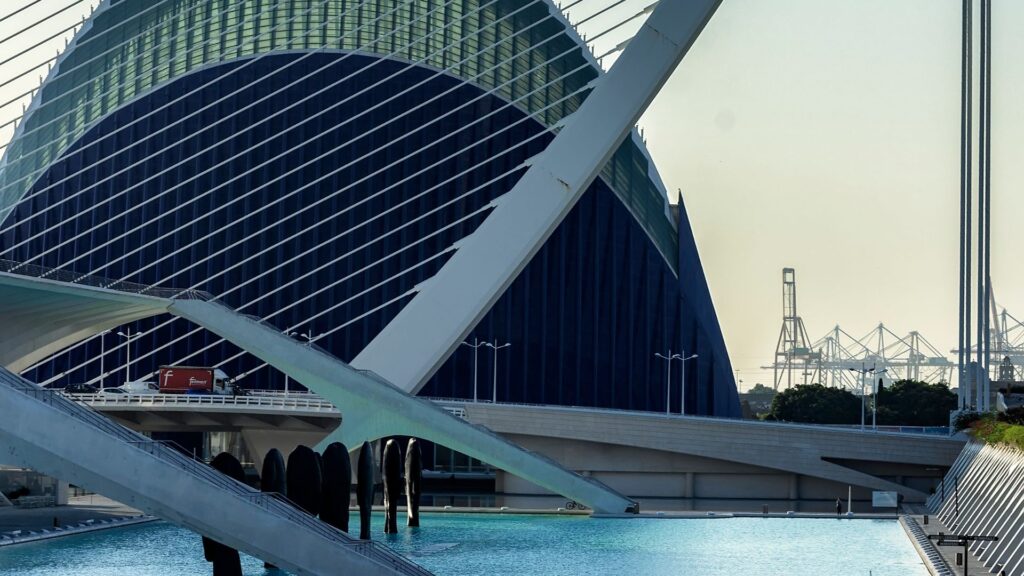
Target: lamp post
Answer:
[[128, 348], [874, 397], [103, 354], [863, 374], [682, 362], [309, 336], [494, 345], [476, 348], [668, 358], [290, 335]]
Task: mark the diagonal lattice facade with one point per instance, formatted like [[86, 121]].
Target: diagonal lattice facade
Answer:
[[311, 162]]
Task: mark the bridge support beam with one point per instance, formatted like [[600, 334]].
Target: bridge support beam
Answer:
[[430, 327], [373, 408], [56, 437]]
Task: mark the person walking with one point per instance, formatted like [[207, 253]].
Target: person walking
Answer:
[[839, 507]]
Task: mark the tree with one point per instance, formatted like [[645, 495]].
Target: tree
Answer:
[[914, 403], [815, 404]]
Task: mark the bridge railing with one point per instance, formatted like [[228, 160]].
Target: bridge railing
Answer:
[[165, 452], [72, 277], [930, 431], [308, 403]]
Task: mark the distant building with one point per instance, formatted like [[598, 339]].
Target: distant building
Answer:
[[312, 170]]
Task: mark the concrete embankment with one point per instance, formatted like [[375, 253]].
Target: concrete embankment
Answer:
[[83, 514], [983, 495]]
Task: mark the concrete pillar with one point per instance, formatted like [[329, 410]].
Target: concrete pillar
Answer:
[[688, 485], [60, 493]]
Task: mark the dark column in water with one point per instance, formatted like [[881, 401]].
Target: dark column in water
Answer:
[[225, 559], [337, 488], [365, 489], [304, 479], [272, 478], [392, 464], [413, 481]]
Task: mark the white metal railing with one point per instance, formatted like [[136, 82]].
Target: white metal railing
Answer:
[[164, 451], [930, 431], [303, 402]]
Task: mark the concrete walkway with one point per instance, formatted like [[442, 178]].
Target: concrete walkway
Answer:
[[79, 509], [949, 552]]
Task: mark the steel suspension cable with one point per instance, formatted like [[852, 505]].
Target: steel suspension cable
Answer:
[[130, 62], [88, 41], [212, 82], [354, 251], [297, 168], [211, 147], [20, 10], [38, 22]]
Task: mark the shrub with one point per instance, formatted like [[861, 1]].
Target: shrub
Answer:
[[965, 420], [1014, 415]]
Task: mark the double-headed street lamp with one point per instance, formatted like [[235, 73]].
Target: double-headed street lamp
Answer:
[[128, 348], [309, 341], [874, 393], [476, 345], [668, 378], [496, 347], [103, 354]]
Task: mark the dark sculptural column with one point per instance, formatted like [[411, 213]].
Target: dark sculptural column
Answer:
[[365, 489], [413, 481], [225, 559], [304, 479], [337, 487], [392, 485], [272, 478]]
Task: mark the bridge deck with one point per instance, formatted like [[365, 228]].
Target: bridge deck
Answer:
[[46, 431]]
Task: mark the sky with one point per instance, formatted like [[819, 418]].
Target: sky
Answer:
[[824, 135], [821, 135]]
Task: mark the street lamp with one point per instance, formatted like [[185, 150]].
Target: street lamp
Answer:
[[290, 335], [682, 362], [128, 348], [494, 345], [668, 358], [874, 398], [476, 347], [668, 378], [863, 375], [309, 342], [103, 353]]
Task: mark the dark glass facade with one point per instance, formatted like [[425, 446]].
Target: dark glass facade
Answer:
[[317, 189]]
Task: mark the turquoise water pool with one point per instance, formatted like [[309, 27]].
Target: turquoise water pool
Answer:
[[475, 544]]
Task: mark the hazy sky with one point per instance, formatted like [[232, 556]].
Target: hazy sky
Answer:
[[817, 134], [824, 135]]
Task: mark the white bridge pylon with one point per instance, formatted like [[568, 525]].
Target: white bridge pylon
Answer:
[[447, 306], [373, 408]]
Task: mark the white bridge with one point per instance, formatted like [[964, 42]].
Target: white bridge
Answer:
[[789, 461]]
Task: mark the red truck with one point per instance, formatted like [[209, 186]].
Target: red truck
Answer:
[[186, 379]]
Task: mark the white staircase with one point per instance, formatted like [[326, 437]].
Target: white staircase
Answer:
[[48, 432]]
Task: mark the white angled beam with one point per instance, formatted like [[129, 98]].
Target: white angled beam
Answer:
[[415, 344], [52, 435], [372, 409]]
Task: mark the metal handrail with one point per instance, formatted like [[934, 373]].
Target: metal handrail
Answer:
[[102, 400], [167, 453], [426, 403], [881, 430], [72, 277]]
